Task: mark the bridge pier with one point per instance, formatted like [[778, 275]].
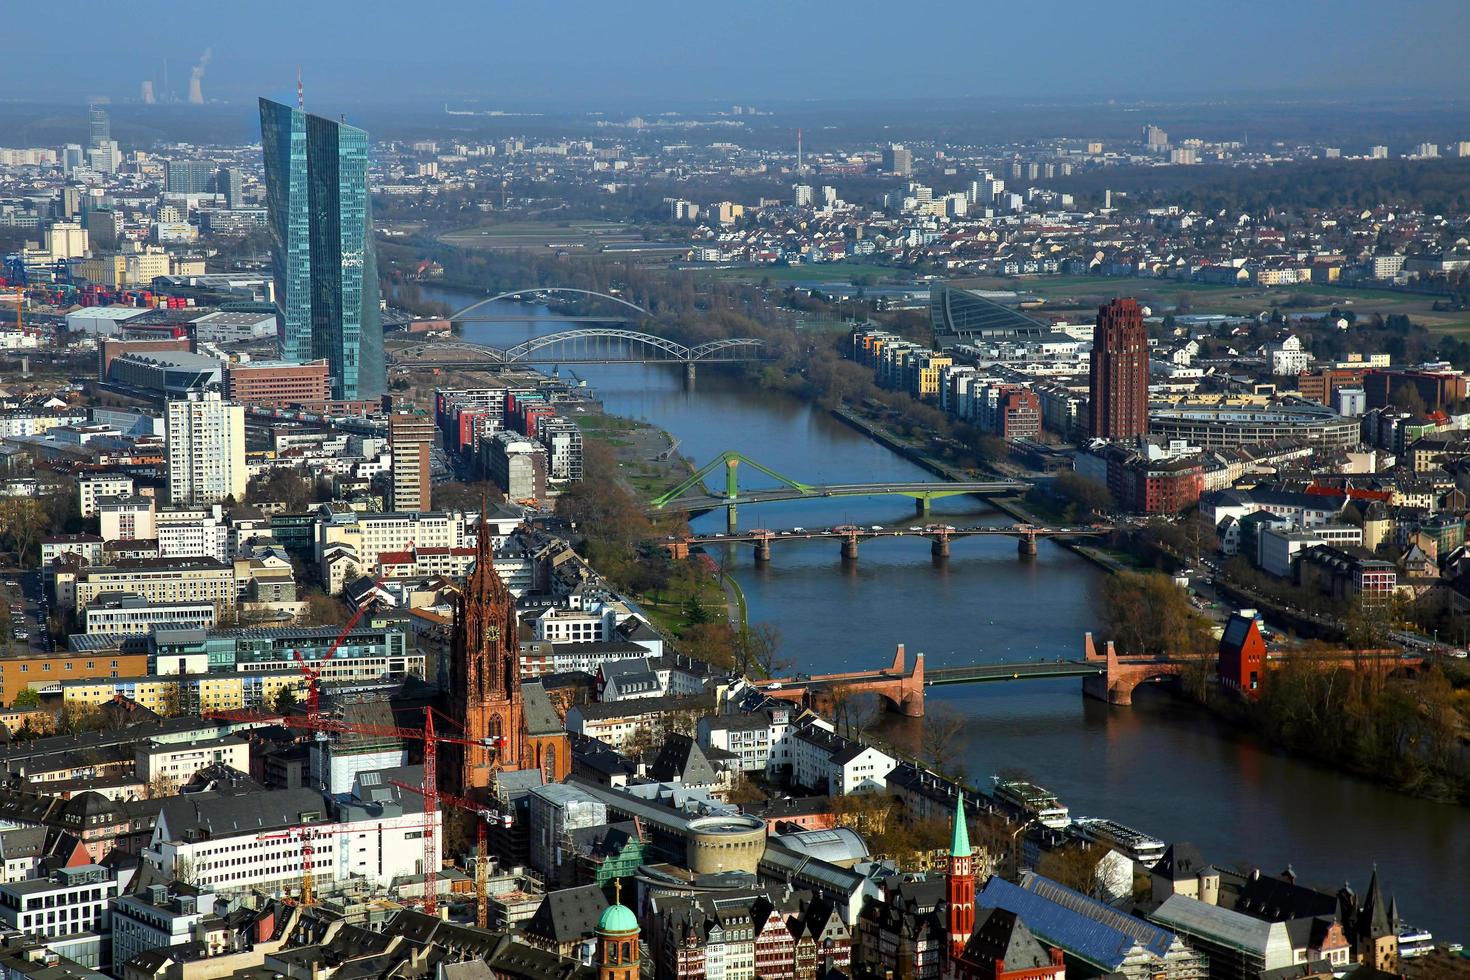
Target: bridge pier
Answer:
[[688, 375], [939, 547], [921, 506], [732, 519], [850, 548], [1026, 545], [763, 550]]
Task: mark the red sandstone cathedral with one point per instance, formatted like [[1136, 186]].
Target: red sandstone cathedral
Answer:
[[518, 723]]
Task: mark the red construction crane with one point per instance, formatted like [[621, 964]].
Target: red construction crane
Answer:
[[313, 671], [487, 815], [326, 725]]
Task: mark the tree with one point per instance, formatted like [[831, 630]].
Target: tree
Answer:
[[27, 697], [1075, 866], [283, 485], [159, 787], [1407, 398], [758, 648], [941, 740], [324, 610], [1149, 614], [77, 717], [455, 495], [1090, 496], [285, 700], [22, 522]]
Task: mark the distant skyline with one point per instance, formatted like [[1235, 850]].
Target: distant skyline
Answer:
[[586, 54]]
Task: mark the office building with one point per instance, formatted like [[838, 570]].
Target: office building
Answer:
[[323, 260], [278, 384], [206, 450], [1118, 380], [189, 177], [228, 182], [897, 159], [410, 440], [99, 127]]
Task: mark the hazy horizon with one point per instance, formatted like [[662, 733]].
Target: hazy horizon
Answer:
[[580, 54]]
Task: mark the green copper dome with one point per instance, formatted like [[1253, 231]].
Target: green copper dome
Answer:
[[617, 918]]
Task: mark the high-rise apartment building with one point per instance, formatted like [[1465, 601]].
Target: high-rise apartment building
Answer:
[[1119, 376], [1155, 139], [206, 450], [410, 440], [322, 256], [189, 177]]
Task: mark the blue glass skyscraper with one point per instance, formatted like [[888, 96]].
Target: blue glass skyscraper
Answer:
[[322, 255]]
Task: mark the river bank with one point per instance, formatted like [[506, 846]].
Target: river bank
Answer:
[[1162, 766]]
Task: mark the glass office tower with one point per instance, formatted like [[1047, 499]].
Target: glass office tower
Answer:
[[322, 256]]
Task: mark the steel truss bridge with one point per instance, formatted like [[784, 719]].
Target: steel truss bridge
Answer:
[[923, 493], [849, 535], [589, 345]]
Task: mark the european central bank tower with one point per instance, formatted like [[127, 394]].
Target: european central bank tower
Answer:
[[322, 256]]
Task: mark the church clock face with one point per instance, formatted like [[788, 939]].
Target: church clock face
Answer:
[[492, 634]]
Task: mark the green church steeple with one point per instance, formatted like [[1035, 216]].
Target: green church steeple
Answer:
[[959, 845]]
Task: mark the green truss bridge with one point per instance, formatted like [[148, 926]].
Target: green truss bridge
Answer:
[[693, 496]]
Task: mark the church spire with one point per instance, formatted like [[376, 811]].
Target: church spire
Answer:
[[959, 843]]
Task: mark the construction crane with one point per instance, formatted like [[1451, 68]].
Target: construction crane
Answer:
[[487, 815], [325, 725], [314, 672]]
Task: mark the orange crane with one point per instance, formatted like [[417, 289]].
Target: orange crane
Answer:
[[324, 725], [487, 815]]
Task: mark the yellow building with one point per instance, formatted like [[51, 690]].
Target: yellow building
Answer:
[[46, 671], [924, 379], [172, 694], [108, 270]]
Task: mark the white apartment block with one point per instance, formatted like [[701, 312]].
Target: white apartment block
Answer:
[[126, 518], [266, 855], [206, 450], [165, 766], [129, 614], [193, 533], [89, 488], [72, 901]]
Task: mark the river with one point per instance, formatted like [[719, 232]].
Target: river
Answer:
[[1159, 766]]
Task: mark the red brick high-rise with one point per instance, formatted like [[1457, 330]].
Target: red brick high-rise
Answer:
[[1118, 408]]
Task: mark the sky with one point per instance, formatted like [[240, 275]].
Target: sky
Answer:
[[620, 54]]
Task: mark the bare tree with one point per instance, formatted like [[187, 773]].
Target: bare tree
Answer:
[[941, 740]]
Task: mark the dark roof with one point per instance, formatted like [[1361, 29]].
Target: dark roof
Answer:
[[538, 711], [1000, 935], [1278, 900], [568, 915], [1180, 862], [681, 760]]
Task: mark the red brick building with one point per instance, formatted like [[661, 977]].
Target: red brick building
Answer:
[[1118, 378], [1159, 486], [1242, 664], [1019, 414], [279, 384], [1002, 948]]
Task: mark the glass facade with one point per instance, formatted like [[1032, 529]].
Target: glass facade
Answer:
[[325, 267]]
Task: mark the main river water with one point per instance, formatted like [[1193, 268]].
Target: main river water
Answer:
[[1159, 766]]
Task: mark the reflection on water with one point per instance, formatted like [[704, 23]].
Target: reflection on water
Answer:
[[1158, 765]]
